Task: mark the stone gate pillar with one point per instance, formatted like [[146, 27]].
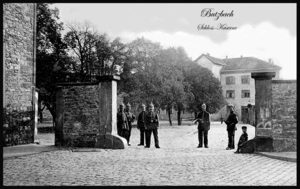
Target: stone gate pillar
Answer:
[[263, 111], [107, 92]]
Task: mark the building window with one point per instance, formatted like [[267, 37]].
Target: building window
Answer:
[[230, 80], [230, 94], [245, 93], [245, 79]]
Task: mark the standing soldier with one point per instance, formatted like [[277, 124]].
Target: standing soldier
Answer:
[[130, 119], [141, 122], [152, 123], [203, 120], [122, 123], [231, 122]]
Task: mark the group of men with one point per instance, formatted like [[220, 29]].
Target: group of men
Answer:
[[147, 123], [204, 119]]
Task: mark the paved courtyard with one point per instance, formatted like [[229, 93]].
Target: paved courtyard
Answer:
[[177, 162]]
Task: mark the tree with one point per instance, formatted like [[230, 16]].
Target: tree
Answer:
[[205, 88], [82, 39], [154, 74], [51, 58], [175, 89], [110, 55], [95, 53], [138, 78]]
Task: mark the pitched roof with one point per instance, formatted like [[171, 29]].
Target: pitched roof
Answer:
[[213, 59], [247, 64]]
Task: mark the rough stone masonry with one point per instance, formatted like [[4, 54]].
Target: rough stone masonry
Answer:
[[276, 117], [19, 26], [284, 115], [86, 114], [19, 55]]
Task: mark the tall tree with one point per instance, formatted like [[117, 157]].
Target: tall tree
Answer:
[[138, 73], [175, 90], [81, 40], [205, 88], [51, 57]]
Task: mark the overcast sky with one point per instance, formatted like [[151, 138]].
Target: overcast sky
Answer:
[[263, 30]]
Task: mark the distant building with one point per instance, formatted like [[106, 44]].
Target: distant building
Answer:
[[237, 84]]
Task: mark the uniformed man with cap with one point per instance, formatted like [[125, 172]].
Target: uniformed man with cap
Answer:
[[231, 122], [204, 121], [122, 123], [152, 123], [130, 119], [141, 123]]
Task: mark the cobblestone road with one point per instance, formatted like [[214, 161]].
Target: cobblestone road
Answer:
[[177, 162]]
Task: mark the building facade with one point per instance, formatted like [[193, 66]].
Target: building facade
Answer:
[[19, 95], [237, 84]]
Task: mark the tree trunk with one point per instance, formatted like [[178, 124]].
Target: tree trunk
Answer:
[[169, 115], [179, 116], [195, 113]]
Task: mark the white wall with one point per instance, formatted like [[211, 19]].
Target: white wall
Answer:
[[238, 101], [215, 69]]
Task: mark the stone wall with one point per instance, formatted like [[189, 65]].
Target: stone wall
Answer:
[[284, 119], [78, 112], [18, 36], [18, 72]]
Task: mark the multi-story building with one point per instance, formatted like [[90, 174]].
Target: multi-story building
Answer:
[[237, 84]]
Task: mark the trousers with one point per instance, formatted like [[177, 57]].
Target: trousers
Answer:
[[148, 137], [202, 134], [129, 134], [231, 139], [142, 136], [124, 133]]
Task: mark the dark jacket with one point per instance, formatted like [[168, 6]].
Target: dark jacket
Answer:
[[203, 120], [122, 123], [243, 138], [231, 121], [152, 121], [141, 121]]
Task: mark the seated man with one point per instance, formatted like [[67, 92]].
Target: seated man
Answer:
[[243, 139]]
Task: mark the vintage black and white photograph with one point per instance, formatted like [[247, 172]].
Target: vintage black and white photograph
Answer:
[[149, 94]]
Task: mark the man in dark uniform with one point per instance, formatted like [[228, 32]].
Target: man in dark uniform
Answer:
[[152, 123], [122, 123], [141, 122], [243, 139], [130, 119], [231, 122], [203, 120]]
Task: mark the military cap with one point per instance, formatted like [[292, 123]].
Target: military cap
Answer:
[[151, 104], [121, 104], [128, 104], [244, 127], [143, 104], [230, 105]]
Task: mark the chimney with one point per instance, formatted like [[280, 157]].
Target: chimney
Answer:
[[208, 54], [226, 57], [241, 56], [270, 61]]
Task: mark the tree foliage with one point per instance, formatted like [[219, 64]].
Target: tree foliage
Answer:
[[166, 77], [51, 57]]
